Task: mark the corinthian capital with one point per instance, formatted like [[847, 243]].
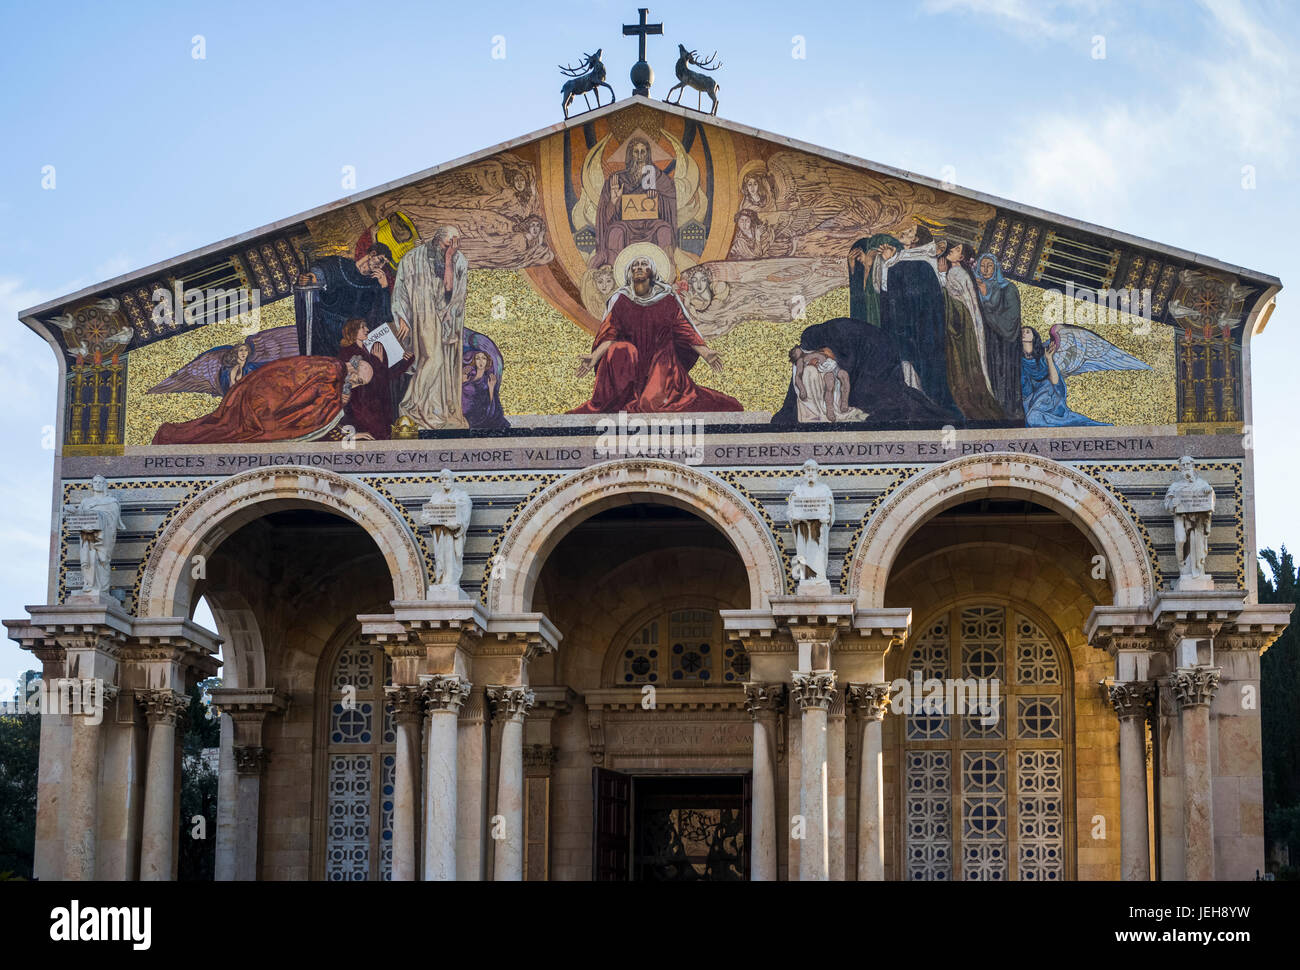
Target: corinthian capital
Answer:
[[251, 759], [511, 703], [814, 690], [764, 700], [1195, 686], [443, 693], [407, 701], [870, 701], [163, 705], [1131, 699]]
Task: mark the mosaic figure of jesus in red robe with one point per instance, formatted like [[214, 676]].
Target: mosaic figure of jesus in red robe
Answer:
[[644, 352]]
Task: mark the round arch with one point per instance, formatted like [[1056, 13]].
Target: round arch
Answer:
[[1077, 498], [219, 511], [572, 500]]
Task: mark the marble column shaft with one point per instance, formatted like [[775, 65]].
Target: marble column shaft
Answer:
[[250, 766], [870, 702], [512, 705], [408, 703], [1194, 688], [443, 698], [814, 691], [82, 776], [763, 701], [1131, 701], [164, 708]]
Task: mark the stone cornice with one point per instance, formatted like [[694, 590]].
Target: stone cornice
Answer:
[[554, 700], [666, 698]]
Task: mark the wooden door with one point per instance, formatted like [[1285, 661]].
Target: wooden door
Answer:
[[612, 831]]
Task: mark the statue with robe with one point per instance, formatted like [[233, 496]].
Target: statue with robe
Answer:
[[447, 515], [811, 511], [1191, 500], [96, 519]]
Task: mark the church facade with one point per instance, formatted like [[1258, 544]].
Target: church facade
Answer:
[[656, 498]]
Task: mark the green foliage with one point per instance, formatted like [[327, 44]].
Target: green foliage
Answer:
[[1280, 708], [20, 744], [198, 841], [203, 731], [199, 788]]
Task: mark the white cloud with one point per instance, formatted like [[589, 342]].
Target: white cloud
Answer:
[[1053, 20]]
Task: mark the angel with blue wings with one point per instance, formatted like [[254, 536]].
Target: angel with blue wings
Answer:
[[217, 370], [1043, 370]]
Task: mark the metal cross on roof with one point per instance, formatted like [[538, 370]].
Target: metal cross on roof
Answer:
[[642, 74]]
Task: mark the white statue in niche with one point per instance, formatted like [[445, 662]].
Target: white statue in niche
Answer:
[[1191, 500], [811, 511], [447, 515], [96, 519]]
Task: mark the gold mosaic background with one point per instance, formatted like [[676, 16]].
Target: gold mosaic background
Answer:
[[541, 348], [1117, 397], [157, 361]]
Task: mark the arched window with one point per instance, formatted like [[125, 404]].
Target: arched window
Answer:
[[985, 788], [360, 767], [681, 648]]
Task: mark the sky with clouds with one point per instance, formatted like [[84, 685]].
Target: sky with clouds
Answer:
[[157, 152]]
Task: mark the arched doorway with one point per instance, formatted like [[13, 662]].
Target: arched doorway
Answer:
[[648, 776], [1000, 588], [285, 588]]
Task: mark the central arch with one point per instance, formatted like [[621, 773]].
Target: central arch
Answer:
[[574, 499], [219, 511], [1077, 498]]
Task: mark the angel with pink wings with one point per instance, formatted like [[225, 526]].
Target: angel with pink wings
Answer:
[[217, 370]]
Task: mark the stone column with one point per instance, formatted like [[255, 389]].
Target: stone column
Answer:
[[512, 704], [764, 701], [250, 766], [165, 710], [1194, 688], [472, 788], [1131, 702], [814, 690], [408, 703], [246, 710], [870, 702], [836, 769], [443, 696], [88, 699]]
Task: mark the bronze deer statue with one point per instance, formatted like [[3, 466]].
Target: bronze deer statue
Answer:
[[694, 79], [588, 76]]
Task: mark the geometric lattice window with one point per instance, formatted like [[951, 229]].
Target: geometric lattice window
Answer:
[[984, 786], [361, 764], [682, 648]]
